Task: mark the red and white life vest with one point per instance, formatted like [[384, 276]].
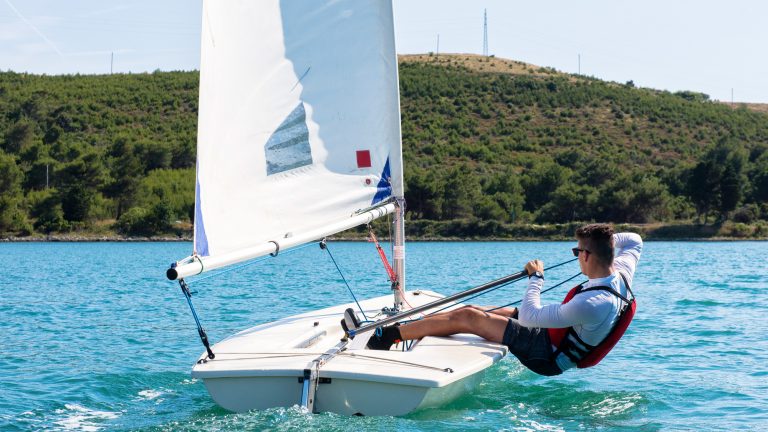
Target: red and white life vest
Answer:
[[584, 355]]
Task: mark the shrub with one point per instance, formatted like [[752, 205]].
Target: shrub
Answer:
[[746, 214], [139, 221], [737, 230], [132, 221], [46, 206]]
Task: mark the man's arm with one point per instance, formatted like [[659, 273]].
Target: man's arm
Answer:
[[628, 248], [533, 314]]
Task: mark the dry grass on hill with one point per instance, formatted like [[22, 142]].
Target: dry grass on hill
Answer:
[[758, 107], [480, 63]]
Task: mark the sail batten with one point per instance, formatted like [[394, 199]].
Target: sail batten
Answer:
[[299, 119]]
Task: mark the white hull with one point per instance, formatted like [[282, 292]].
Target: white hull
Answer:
[[262, 367]]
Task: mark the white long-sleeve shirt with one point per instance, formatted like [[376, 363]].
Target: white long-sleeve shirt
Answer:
[[591, 314]]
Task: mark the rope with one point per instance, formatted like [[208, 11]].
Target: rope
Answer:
[[388, 268], [267, 356], [388, 360], [542, 292], [390, 272], [324, 245]]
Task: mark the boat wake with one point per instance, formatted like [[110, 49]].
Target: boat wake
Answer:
[[80, 418]]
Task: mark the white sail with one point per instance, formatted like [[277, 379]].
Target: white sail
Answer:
[[299, 121]]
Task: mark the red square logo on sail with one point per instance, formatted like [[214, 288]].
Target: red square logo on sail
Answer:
[[363, 159]]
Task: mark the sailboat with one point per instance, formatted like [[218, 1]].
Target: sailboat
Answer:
[[299, 139]]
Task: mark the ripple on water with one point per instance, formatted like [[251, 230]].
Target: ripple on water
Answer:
[[698, 302]]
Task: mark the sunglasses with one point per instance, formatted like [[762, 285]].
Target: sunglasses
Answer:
[[577, 250]]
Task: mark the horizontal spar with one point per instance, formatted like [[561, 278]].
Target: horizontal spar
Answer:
[[506, 279], [196, 264]]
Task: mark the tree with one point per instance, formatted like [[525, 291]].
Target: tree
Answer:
[[140, 221], [424, 193], [570, 202], [183, 154], [176, 188], [759, 179], [505, 190], [154, 155], [127, 169], [49, 213], [79, 182], [732, 183], [703, 187], [717, 181], [19, 137], [462, 190], [634, 198], [540, 180], [12, 217]]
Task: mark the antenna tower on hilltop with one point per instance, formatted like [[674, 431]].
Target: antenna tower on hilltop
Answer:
[[485, 32]]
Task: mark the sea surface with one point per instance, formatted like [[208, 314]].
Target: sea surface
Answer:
[[94, 337]]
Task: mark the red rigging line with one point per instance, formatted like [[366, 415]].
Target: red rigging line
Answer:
[[383, 256], [390, 272]]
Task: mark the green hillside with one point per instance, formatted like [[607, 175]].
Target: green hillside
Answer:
[[490, 146]]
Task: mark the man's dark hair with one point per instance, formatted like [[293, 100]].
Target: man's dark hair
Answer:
[[598, 240]]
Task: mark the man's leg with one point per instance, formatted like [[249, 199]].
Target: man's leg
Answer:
[[505, 312], [472, 320], [467, 319]]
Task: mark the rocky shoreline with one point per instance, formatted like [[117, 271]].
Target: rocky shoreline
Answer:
[[464, 231], [123, 239], [92, 238]]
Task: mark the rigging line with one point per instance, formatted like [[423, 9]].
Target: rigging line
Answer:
[[200, 330], [503, 285], [288, 353], [405, 363], [561, 264], [242, 266], [271, 357], [324, 245], [388, 268], [542, 292]]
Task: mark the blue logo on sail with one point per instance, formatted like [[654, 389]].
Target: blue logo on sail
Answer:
[[288, 147], [384, 187]]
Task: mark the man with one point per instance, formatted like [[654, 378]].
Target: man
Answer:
[[554, 338]]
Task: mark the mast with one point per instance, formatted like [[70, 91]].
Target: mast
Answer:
[[398, 250]]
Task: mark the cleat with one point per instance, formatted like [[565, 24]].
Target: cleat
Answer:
[[350, 320]]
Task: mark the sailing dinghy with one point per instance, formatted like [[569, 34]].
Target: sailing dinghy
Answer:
[[298, 139]]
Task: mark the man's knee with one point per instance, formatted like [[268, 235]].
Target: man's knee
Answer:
[[469, 315]]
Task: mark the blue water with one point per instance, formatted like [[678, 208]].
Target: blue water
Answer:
[[93, 337]]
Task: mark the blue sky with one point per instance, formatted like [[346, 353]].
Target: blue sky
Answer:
[[707, 46]]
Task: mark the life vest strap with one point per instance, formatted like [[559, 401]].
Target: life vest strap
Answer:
[[609, 289]]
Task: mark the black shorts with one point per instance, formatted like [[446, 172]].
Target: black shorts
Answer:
[[532, 347]]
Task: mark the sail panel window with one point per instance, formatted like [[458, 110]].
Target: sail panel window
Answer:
[[288, 147]]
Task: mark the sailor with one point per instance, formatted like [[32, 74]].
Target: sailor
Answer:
[[553, 338]]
